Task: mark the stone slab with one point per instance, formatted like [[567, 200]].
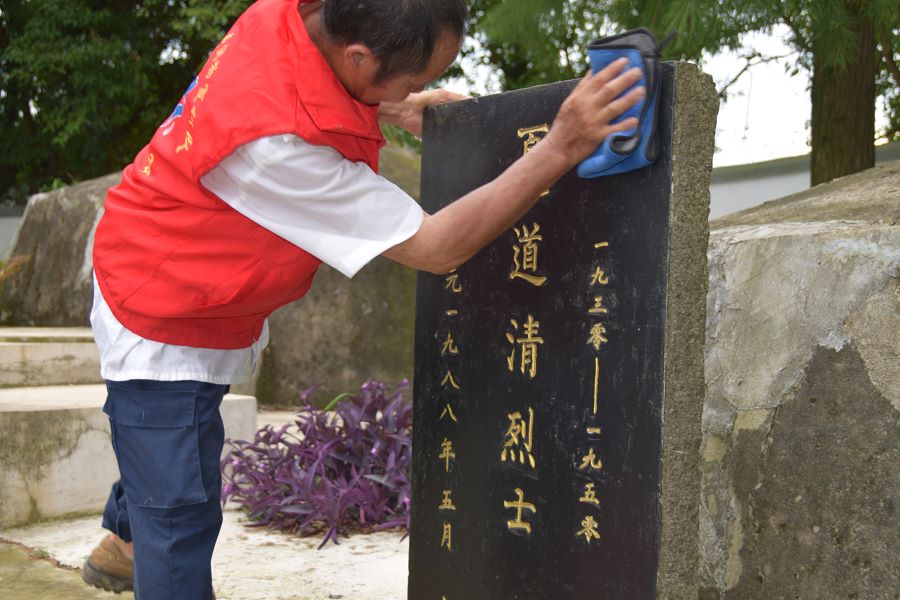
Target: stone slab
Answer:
[[41, 356], [588, 356], [55, 454]]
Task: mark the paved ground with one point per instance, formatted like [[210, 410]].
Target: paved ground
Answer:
[[249, 564], [24, 575], [41, 562]]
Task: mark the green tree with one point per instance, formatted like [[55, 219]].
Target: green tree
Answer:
[[84, 83], [847, 46]]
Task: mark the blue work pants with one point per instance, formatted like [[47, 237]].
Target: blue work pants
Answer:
[[168, 437]]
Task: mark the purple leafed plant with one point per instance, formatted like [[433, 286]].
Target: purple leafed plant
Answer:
[[347, 467]]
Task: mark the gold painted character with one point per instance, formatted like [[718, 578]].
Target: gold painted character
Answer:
[[598, 308], [519, 436], [447, 537], [590, 461], [446, 453], [531, 136], [448, 412], [451, 282], [520, 505], [529, 254], [448, 378], [447, 503], [598, 277], [449, 345], [590, 495], [598, 336], [528, 346], [589, 529]]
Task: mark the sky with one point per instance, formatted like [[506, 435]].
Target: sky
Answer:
[[766, 115]]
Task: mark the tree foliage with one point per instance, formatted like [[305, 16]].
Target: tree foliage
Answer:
[[539, 41], [84, 83]]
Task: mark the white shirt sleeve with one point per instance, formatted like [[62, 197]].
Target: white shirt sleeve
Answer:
[[339, 211]]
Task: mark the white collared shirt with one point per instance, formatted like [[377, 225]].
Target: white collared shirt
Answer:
[[339, 211]]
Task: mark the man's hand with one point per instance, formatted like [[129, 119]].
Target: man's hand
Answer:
[[408, 113], [583, 121], [452, 235]]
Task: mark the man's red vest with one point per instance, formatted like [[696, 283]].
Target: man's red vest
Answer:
[[174, 262]]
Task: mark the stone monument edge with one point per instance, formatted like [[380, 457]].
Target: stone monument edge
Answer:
[[693, 144]]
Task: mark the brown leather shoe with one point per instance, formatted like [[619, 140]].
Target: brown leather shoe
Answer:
[[108, 569]]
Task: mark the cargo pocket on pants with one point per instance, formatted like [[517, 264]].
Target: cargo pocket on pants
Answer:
[[155, 437]]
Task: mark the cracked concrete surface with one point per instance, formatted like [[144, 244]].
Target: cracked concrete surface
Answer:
[[800, 458]]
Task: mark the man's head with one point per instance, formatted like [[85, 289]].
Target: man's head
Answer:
[[393, 47]]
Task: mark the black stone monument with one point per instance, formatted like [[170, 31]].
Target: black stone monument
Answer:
[[539, 373]]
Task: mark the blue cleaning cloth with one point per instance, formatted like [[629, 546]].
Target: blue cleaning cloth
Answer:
[[634, 148]]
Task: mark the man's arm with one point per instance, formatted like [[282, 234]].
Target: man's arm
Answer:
[[454, 234]]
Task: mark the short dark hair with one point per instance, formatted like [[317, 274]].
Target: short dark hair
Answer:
[[401, 33]]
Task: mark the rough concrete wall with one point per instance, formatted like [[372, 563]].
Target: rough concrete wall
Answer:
[[696, 105], [47, 279], [53, 463], [342, 333], [801, 466]]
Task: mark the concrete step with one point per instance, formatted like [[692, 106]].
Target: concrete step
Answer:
[[55, 454], [40, 356]]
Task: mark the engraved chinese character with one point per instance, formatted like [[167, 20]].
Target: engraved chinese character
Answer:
[[531, 136], [201, 92], [598, 277], [448, 379], [451, 282], [446, 453], [529, 255], [593, 431], [447, 537], [590, 461], [519, 437], [222, 50], [589, 529], [448, 412], [598, 308], [193, 115], [449, 345], [590, 495], [597, 375], [528, 346], [598, 336], [520, 505], [447, 502]]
